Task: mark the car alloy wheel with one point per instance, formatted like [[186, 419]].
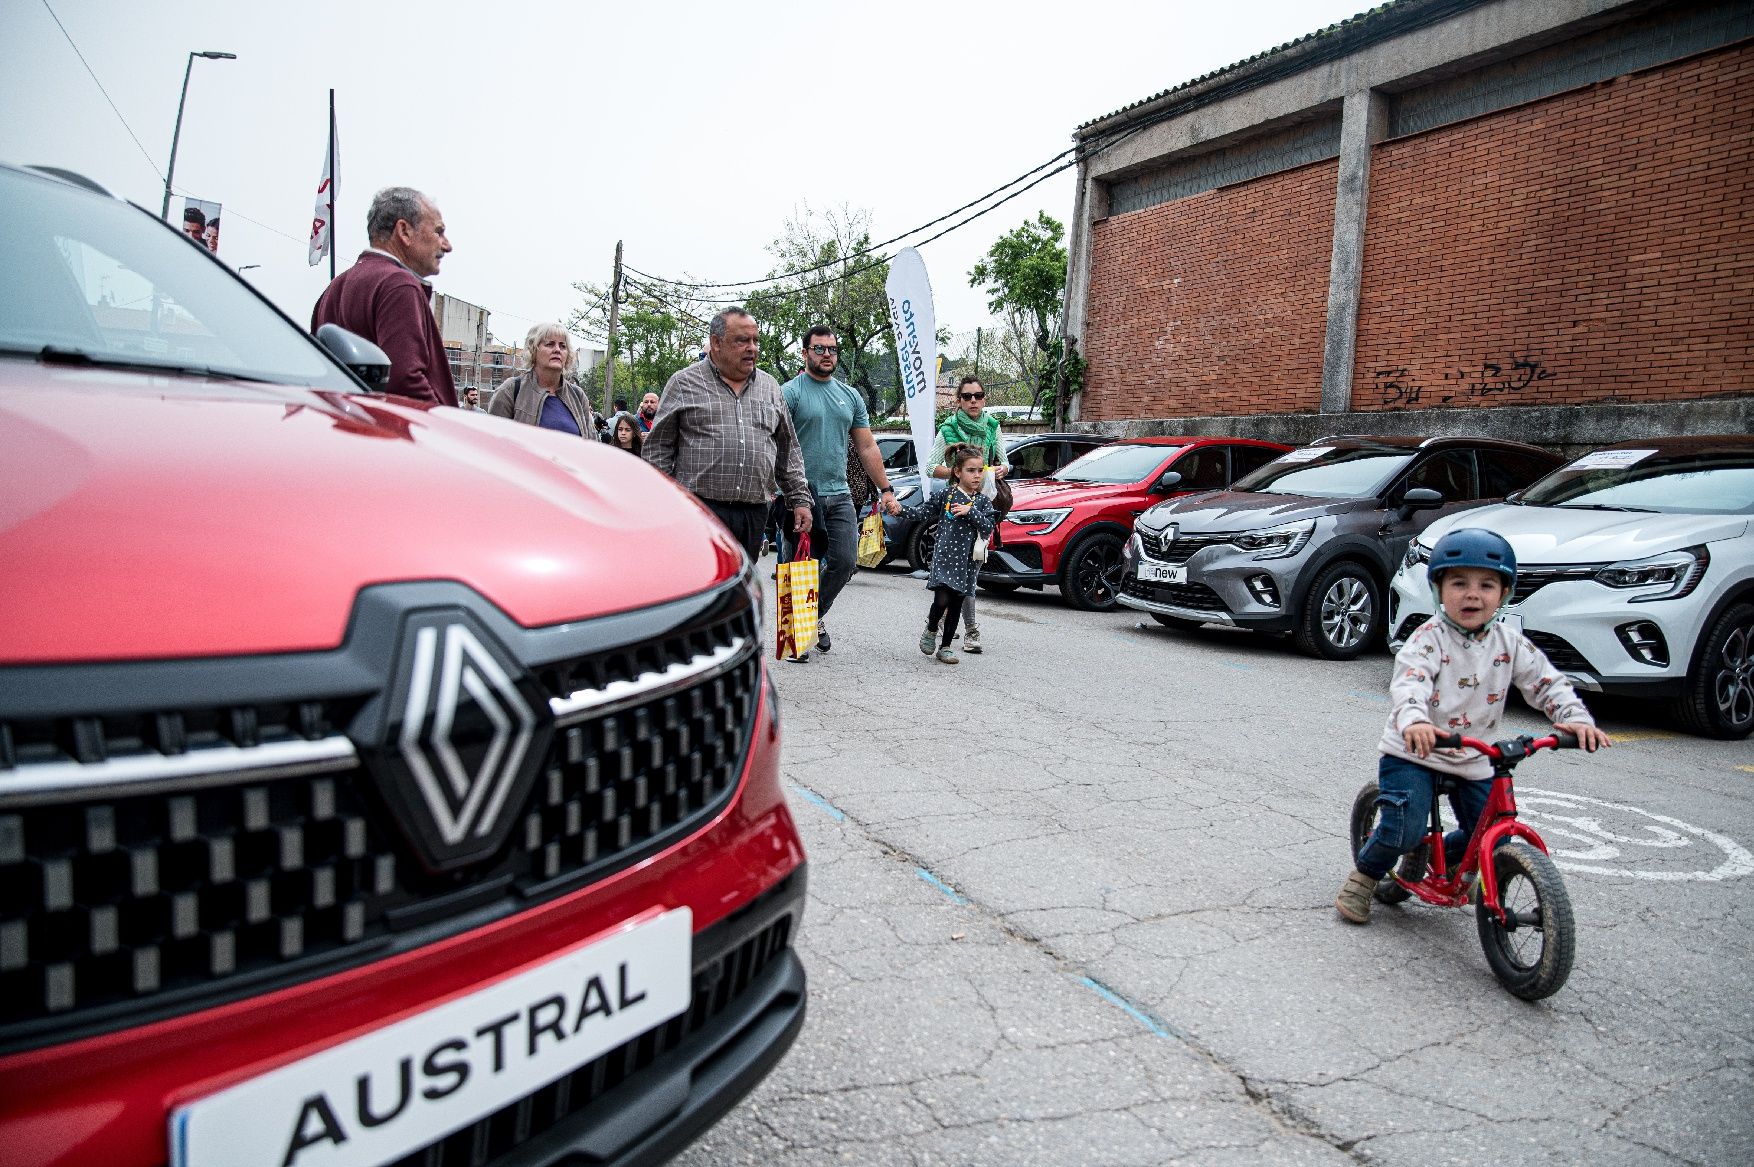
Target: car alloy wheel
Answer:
[[1719, 697], [1093, 576], [1342, 613], [1347, 612]]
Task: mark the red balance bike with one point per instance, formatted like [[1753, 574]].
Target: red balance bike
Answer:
[[1520, 907]]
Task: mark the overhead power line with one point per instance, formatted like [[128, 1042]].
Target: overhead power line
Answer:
[[100, 88]]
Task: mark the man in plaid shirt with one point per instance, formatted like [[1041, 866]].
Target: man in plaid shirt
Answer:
[[723, 432]]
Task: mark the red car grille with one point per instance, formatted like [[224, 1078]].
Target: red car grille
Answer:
[[115, 908]]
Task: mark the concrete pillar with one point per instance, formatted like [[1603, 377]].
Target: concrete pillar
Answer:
[[1364, 124], [1090, 205]]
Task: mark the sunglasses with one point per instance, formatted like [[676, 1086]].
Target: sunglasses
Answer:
[[972, 396], [825, 350]]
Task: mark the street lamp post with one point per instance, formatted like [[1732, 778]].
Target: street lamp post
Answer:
[[165, 212]]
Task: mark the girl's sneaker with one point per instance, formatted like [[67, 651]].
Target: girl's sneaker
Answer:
[[971, 640], [928, 641], [947, 655]]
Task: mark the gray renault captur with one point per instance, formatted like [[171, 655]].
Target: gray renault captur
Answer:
[[1308, 543]]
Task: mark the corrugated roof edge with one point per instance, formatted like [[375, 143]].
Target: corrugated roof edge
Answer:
[[1372, 24]]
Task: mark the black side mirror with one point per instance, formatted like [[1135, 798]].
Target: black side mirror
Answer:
[[1166, 482], [364, 359], [1420, 498]]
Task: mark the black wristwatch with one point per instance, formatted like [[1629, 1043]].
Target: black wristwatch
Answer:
[[887, 490]]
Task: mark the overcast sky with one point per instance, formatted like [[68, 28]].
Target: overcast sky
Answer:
[[548, 130]]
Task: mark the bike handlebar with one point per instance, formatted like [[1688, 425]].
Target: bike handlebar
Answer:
[[1516, 747]]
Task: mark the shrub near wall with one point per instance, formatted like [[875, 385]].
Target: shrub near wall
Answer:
[[1212, 304], [1594, 246]]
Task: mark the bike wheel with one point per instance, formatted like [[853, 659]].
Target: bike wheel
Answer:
[[1412, 865], [1532, 955]]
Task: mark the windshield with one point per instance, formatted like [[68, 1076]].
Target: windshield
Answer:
[[1327, 472], [96, 279], [1114, 464], [1702, 483]]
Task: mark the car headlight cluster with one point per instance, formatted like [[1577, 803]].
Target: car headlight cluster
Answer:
[[1281, 542], [1417, 553], [1676, 573], [1040, 522]]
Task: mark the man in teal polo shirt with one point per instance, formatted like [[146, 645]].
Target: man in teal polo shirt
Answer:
[[826, 413]]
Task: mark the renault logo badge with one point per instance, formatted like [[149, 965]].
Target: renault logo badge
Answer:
[[465, 731]]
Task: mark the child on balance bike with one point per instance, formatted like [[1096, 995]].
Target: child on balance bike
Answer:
[[1452, 676]]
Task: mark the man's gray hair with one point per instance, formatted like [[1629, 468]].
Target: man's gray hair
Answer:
[[390, 205], [717, 326]]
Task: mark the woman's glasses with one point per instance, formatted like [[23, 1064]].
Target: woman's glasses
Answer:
[[972, 396]]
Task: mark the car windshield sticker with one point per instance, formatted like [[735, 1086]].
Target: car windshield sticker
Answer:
[[1610, 459], [1307, 454]]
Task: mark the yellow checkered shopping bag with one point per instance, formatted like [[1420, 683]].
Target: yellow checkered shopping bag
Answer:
[[795, 585], [872, 541]]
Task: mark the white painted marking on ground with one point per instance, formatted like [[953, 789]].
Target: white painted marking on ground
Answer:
[[1575, 837]]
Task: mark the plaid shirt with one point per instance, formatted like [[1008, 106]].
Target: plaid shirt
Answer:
[[724, 446]]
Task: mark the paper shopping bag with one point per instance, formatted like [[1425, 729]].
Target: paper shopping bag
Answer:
[[795, 585], [872, 541]]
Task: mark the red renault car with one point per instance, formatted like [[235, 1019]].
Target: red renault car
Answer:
[[1068, 529], [379, 784]]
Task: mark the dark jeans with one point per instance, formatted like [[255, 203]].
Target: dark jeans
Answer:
[[1403, 814], [745, 521], [779, 527], [834, 538]]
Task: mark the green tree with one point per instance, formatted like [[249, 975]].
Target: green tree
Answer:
[[1024, 276], [825, 280], [657, 336]]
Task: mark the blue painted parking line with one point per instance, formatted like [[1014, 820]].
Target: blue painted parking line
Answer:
[[1363, 696], [1160, 1028], [809, 795], [1241, 668], [955, 896]]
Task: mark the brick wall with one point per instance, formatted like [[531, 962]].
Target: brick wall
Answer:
[[1212, 304], [1594, 246]]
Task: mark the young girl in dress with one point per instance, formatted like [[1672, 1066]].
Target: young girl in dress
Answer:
[[967, 513]]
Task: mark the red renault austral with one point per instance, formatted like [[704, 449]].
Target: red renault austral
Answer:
[[378, 784]]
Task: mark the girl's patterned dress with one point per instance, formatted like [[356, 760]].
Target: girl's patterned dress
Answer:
[[953, 563]]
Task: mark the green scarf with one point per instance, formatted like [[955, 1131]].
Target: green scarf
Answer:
[[983, 434]]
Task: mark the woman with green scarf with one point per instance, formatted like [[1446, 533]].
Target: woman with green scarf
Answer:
[[970, 424]]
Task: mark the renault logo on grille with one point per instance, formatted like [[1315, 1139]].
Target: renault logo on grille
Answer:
[[465, 731]]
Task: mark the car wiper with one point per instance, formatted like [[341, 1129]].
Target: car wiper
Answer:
[[77, 356], [1602, 506]]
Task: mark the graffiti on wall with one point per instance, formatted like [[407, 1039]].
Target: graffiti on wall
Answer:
[[1396, 388]]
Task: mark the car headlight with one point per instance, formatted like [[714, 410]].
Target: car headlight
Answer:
[[1417, 553], [1676, 573], [1279, 542], [1041, 522]]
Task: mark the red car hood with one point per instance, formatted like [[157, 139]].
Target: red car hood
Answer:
[[147, 517], [1051, 492]]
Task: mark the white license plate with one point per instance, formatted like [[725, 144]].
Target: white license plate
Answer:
[[1162, 573], [387, 1093]]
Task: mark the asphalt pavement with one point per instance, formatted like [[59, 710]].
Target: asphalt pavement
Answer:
[[1071, 903]]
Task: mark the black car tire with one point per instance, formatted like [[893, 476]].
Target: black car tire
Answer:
[[1090, 581], [919, 546], [1179, 623], [1718, 697], [1342, 614]]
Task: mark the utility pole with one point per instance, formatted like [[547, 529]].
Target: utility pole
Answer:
[[977, 354], [170, 170], [614, 320]]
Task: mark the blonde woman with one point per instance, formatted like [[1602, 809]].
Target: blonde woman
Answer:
[[541, 395]]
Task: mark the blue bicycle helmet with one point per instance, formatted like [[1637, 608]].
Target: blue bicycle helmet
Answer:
[[1474, 547]]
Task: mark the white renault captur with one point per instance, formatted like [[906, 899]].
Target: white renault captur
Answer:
[[1635, 574]]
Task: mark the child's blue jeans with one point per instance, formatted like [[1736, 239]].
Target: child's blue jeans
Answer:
[[1403, 814]]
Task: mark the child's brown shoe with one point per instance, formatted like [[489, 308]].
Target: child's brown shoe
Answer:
[[1354, 898]]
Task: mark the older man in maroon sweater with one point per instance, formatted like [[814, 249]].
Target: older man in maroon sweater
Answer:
[[385, 298]]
